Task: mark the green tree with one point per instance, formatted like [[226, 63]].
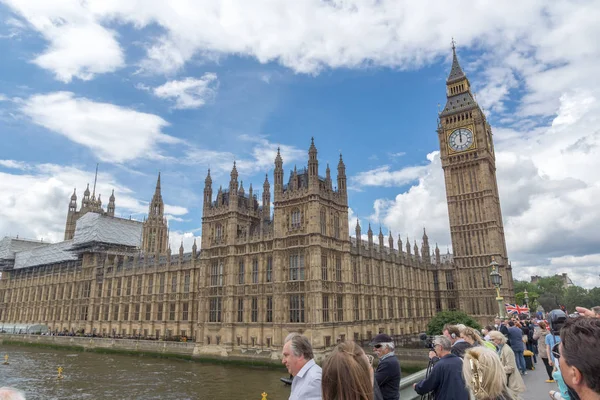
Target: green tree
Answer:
[[532, 301], [521, 286], [576, 296], [552, 285], [548, 301], [594, 297], [450, 317]]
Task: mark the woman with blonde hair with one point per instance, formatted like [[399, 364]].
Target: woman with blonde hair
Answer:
[[484, 375], [347, 374], [472, 337], [507, 357]]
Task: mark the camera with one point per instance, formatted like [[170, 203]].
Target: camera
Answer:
[[557, 319], [427, 340]]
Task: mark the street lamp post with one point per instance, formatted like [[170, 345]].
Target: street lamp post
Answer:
[[496, 279]]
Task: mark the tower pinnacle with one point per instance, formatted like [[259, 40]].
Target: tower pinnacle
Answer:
[[456, 72]]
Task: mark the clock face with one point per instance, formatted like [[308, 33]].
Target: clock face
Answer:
[[460, 139]]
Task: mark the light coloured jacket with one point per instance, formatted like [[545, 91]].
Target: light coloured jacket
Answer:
[[515, 381], [540, 336]]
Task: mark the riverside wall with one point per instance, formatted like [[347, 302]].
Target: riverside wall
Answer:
[[184, 350]]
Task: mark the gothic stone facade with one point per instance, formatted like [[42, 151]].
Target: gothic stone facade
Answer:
[[260, 274]]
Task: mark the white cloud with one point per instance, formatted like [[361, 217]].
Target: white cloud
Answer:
[[535, 46], [398, 154], [189, 92], [113, 133], [35, 202], [382, 176], [14, 164], [176, 238], [261, 158], [79, 46]]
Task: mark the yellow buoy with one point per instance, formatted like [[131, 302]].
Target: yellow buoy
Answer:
[[60, 371], [5, 360], [264, 396]]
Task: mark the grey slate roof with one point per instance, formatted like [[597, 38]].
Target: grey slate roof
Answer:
[[9, 246], [90, 228], [460, 102], [456, 72], [51, 254], [98, 228]]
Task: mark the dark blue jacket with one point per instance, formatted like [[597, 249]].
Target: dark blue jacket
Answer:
[[515, 335], [445, 380], [387, 377]]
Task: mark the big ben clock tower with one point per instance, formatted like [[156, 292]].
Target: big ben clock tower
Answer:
[[476, 229]]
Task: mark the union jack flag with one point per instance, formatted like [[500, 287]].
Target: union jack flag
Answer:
[[516, 309]]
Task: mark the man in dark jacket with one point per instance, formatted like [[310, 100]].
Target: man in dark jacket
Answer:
[[387, 374], [445, 380], [515, 335]]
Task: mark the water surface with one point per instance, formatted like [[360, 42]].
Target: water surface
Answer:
[[101, 376]]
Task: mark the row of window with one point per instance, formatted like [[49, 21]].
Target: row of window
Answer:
[[82, 289], [116, 312], [332, 308]]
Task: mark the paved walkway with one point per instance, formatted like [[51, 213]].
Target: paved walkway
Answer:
[[537, 388]]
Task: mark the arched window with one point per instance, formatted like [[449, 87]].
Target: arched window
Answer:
[[336, 225], [323, 221], [218, 232], [296, 220]]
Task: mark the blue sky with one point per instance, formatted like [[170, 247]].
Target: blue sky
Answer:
[[145, 87]]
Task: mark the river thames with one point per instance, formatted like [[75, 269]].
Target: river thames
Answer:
[[102, 376]]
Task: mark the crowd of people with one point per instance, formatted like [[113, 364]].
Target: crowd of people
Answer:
[[466, 365]]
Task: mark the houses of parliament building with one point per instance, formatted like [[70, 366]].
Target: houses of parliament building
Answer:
[[266, 269]]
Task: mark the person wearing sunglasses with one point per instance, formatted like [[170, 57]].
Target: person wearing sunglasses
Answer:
[[577, 356], [445, 381], [387, 374]]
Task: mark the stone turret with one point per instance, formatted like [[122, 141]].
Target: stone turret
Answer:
[[207, 191], [110, 210], [266, 199]]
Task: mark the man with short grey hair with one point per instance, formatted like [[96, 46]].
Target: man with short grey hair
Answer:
[[387, 374], [297, 356], [8, 393], [445, 381]]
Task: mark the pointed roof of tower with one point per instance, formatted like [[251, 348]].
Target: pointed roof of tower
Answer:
[[341, 164], [87, 190], [456, 72], [357, 224], [312, 149], [425, 237], [157, 190], [266, 184], [241, 189], [74, 195], [370, 231], [112, 196], [234, 171], [278, 159], [208, 179]]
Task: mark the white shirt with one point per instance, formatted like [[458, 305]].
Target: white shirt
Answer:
[[307, 383]]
